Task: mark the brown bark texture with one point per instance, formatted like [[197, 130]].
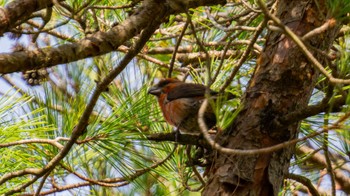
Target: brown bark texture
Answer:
[[282, 83], [16, 11], [96, 44]]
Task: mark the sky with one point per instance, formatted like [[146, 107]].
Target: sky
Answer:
[[5, 44]]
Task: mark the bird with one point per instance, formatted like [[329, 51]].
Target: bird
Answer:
[[180, 102]]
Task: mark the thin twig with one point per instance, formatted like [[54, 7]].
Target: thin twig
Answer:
[[83, 122], [171, 65], [50, 32], [305, 181], [31, 22], [154, 60], [319, 158], [188, 49], [107, 182], [196, 57], [250, 7], [67, 187], [227, 29], [200, 44], [194, 169], [37, 193], [228, 81], [328, 24], [326, 153], [221, 61], [216, 146], [302, 47], [31, 141], [199, 176], [112, 7]]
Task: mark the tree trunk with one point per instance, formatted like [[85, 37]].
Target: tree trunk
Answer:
[[282, 82]]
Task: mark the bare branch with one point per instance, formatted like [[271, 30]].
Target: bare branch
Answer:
[[317, 157], [97, 44], [265, 150], [260, 28], [172, 61], [311, 110], [94, 45], [196, 57], [31, 141], [132, 4], [52, 32], [328, 24], [305, 181], [154, 60], [37, 193], [327, 154]]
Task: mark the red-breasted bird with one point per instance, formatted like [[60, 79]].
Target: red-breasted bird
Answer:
[[180, 102]]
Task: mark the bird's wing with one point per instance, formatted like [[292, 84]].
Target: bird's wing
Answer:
[[187, 90]]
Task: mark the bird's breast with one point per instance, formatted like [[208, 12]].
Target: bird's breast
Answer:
[[177, 110]]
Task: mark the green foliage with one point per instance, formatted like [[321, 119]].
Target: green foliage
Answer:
[[18, 124], [339, 9]]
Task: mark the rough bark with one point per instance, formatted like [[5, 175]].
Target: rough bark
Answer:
[[20, 10], [282, 83], [94, 45], [97, 44]]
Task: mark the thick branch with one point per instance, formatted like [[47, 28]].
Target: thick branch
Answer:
[[20, 10], [94, 45], [311, 110], [83, 121], [97, 44]]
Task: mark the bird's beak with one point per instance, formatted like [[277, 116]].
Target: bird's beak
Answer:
[[155, 91]]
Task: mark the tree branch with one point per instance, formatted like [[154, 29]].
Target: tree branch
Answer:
[[30, 141], [97, 44], [305, 181], [185, 139], [20, 10], [311, 110], [116, 182], [244, 56], [265, 150], [83, 122], [317, 157]]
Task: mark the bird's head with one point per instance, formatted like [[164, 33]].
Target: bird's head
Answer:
[[162, 86]]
